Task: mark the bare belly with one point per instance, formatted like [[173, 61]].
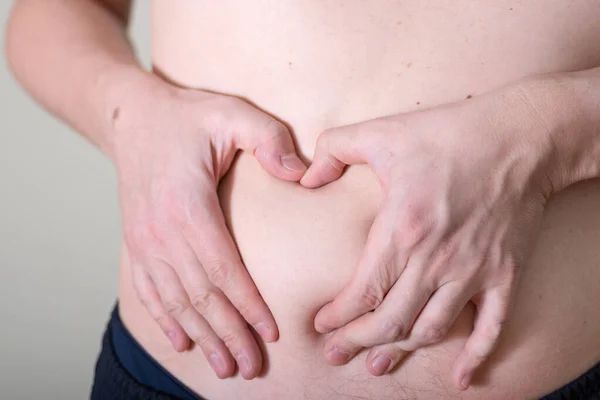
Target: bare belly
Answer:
[[315, 65]]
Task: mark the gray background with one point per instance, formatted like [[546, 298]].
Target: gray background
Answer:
[[59, 244]]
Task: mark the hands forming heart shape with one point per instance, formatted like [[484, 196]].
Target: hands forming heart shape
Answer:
[[464, 190]]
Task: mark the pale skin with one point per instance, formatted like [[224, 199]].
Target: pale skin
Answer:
[[457, 221], [425, 224], [175, 232], [166, 195]]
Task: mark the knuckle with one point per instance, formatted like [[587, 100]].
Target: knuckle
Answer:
[[393, 329], [447, 251], [203, 300], [385, 273], [492, 331], [230, 338], [246, 305], [479, 358], [414, 227], [371, 296], [483, 347], [162, 320], [176, 306], [433, 334], [220, 273], [415, 220], [203, 339]]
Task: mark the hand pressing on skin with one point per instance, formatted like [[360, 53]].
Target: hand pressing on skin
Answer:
[[172, 147], [464, 188]]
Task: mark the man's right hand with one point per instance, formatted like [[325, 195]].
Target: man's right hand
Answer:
[[171, 148]]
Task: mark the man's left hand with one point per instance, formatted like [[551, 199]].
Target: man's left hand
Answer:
[[464, 189]]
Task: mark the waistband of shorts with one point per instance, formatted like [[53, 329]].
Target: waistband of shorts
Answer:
[[585, 387], [113, 382]]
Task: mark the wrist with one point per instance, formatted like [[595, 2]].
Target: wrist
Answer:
[[127, 93], [565, 126]]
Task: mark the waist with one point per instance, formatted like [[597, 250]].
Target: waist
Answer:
[[300, 247]]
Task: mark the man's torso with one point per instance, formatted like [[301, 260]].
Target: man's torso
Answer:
[[319, 64]]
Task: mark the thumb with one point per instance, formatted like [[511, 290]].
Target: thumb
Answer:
[[271, 143], [276, 152], [335, 149]]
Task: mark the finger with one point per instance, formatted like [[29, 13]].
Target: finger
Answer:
[[178, 306], [492, 310], [431, 326], [384, 358], [219, 258], [336, 148], [390, 322], [220, 314], [377, 270], [438, 315], [149, 297], [269, 140]]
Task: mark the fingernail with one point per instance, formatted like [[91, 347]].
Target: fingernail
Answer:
[[244, 365], [293, 163], [338, 356], [172, 335], [217, 363], [381, 364], [465, 381], [265, 332]]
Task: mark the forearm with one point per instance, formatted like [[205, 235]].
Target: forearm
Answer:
[[568, 105], [73, 56]]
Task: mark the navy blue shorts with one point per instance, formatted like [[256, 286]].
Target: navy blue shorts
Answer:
[[125, 371]]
